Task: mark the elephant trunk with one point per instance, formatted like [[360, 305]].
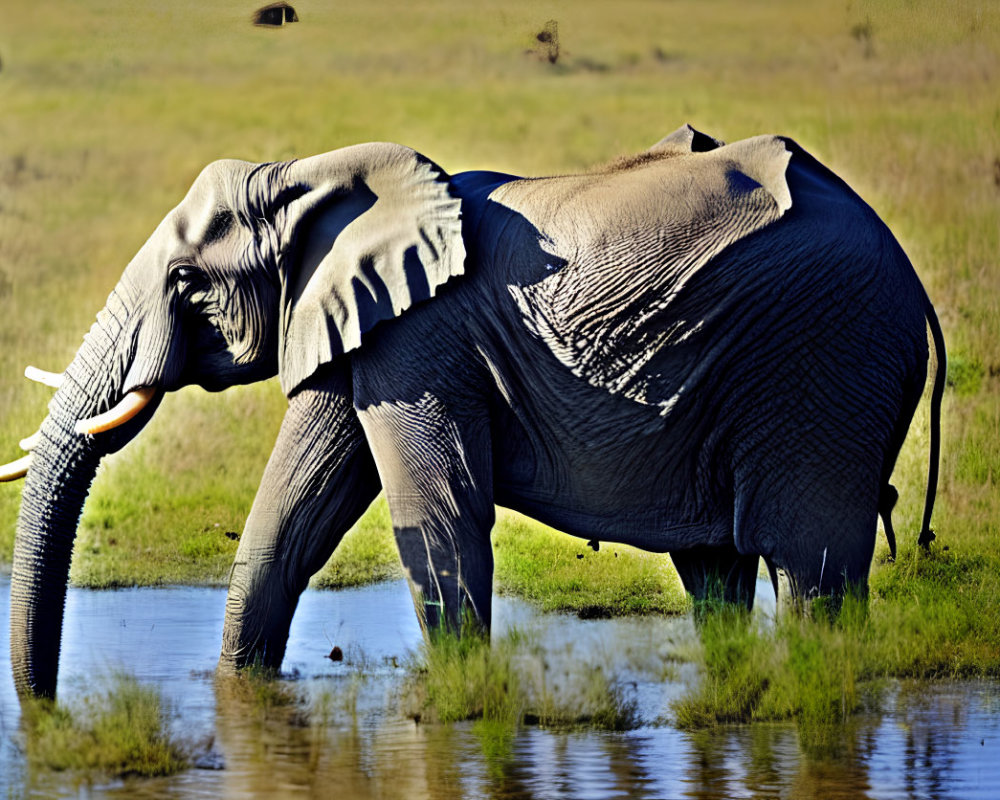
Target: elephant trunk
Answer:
[[62, 469], [63, 466]]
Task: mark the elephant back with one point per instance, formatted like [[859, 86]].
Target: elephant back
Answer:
[[624, 243]]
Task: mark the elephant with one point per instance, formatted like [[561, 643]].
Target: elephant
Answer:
[[709, 350]]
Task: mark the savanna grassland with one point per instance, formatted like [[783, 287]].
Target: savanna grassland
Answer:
[[106, 117]]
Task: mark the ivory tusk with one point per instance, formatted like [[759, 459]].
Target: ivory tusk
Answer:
[[51, 379], [15, 469], [31, 442], [130, 405]]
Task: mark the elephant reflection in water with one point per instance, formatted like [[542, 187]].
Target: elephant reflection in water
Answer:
[[707, 350], [925, 746], [371, 753], [340, 736]]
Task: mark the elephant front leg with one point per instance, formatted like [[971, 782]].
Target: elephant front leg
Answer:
[[436, 470], [319, 480]]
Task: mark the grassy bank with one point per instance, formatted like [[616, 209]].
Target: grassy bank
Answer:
[[117, 731], [108, 118]]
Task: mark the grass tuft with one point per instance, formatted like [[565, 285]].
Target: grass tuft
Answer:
[[465, 678], [506, 684], [120, 731], [803, 670], [735, 663]]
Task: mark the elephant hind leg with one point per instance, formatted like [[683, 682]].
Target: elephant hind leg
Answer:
[[713, 575], [819, 534]]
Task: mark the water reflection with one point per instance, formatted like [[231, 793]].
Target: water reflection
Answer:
[[348, 738]]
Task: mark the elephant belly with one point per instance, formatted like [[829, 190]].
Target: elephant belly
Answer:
[[657, 530], [626, 490]]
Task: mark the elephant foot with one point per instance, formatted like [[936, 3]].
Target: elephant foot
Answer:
[[804, 598], [261, 657], [252, 636]]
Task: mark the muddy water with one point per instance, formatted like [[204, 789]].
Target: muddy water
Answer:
[[938, 741]]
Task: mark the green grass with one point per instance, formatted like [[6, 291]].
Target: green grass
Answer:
[[505, 683], [108, 117], [562, 573], [121, 730], [924, 620], [467, 678]]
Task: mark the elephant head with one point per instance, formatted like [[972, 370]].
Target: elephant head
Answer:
[[262, 270]]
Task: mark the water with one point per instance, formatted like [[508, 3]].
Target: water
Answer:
[[931, 741]]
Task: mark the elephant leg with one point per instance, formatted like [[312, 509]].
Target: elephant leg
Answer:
[[832, 558], [714, 574], [437, 473], [814, 530], [320, 478]]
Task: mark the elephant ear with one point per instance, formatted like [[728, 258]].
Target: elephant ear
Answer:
[[373, 229]]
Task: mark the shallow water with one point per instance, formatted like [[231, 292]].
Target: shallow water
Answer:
[[931, 741]]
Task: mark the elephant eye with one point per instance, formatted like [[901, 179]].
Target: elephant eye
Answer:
[[187, 279]]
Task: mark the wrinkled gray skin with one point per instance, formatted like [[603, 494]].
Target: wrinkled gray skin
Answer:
[[712, 351]]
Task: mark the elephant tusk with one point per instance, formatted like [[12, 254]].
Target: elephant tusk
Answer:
[[51, 379], [130, 405], [15, 469], [31, 442]]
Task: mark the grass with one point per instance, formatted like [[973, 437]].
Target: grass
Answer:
[[505, 683], [496, 687], [106, 123], [121, 730], [924, 621], [802, 669], [561, 573], [467, 678]]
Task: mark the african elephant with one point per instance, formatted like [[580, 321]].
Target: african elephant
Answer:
[[709, 350]]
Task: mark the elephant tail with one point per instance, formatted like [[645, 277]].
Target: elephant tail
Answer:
[[926, 534]]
